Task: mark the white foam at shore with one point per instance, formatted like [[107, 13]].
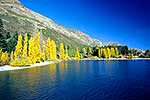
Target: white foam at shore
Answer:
[[8, 67]]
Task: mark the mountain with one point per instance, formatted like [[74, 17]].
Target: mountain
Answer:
[[16, 17]]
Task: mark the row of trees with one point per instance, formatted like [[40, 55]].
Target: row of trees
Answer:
[[108, 52], [36, 51], [24, 50], [30, 50], [101, 52]]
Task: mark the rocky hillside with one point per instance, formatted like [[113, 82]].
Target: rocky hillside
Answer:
[[112, 44], [17, 17]]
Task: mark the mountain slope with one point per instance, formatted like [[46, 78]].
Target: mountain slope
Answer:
[[112, 44], [18, 18]]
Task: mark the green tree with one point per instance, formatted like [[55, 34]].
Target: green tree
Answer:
[[89, 51], [3, 43], [12, 42], [66, 53], [48, 49], [84, 51], [147, 53], [123, 50]]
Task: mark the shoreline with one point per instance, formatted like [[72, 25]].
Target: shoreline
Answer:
[[111, 59], [8, 67]]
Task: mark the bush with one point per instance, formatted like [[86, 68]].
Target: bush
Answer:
[[1, 64], [4, 58], [95, 58], [20, 62]]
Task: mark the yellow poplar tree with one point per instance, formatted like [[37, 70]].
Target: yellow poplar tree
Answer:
[[4, 58], [44, 47], [43, 53], [12, 56], [31, 52], [25, 46], [116, 52], [18, 50], [112, 52], [77, 54], [109, 52], [42, 56], [62, 53], [105, 53], [37, 46], [53, 53], [99, 52]]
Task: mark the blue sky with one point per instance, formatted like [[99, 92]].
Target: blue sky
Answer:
[[123, 21]]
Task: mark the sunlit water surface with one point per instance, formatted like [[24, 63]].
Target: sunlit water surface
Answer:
[[79, 80]]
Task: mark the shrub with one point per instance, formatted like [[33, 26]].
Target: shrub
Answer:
[[4, 58], [1, 64], [95, 58], [20, 62]]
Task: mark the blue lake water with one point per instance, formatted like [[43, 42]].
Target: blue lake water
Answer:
[[79, 80]]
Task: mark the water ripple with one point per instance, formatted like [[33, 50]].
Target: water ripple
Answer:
[[79, 80]]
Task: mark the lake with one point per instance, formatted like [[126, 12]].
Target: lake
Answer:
[[79, 80]]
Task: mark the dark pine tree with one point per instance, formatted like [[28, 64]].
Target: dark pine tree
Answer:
[[3, 43]]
